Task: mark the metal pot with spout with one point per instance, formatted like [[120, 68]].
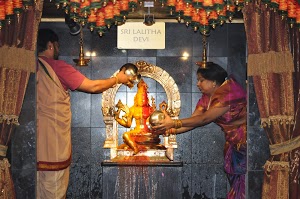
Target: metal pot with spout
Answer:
[[131, 71]]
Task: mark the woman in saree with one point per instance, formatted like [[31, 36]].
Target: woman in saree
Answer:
[[223, 102]]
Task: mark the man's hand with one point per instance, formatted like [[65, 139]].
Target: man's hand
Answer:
[[122, 77]]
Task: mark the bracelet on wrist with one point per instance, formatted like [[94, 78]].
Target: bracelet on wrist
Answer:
[[171, 131], [177, 123], [117, 80]]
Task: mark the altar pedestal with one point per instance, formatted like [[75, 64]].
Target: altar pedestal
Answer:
[[140, 180]]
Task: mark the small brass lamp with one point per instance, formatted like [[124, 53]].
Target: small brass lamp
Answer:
[[203, 63], [81, 61]]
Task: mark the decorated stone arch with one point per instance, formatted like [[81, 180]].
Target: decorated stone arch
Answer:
[[173, 102]]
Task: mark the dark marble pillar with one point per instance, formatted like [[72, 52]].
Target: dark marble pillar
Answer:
[[23, 149], [258, 146]]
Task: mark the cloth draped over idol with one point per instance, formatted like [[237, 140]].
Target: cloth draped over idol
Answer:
[[274, 69], [17, 63]]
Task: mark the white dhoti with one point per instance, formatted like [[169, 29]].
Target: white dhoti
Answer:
[[52, 184]]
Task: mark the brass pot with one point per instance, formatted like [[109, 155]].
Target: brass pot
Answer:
[[156, 117], [132, 72]]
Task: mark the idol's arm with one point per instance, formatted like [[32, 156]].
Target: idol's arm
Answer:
[[126, 120]]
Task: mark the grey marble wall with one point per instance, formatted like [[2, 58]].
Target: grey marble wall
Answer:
[[200, 150], [22, 148], [258, 146]]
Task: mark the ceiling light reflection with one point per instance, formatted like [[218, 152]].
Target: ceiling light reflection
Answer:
[[90, 54], [185, 55]]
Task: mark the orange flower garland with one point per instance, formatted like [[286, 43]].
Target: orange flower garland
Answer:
[[201, 14], [2, 12]]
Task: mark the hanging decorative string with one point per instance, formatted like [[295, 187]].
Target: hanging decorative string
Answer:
[[11, 8], [202, 15], [100, 15], [287, 9], [203, 63], [81, 61]]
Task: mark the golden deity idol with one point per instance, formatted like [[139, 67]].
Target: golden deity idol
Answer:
[[140, 138]]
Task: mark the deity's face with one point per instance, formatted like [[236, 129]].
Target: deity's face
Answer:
[[141, 99], [142, 85]]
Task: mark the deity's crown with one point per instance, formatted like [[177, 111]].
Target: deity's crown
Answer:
[[142, 89], [142, 86]]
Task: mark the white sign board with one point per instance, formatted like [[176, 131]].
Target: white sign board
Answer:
[[136, 35]]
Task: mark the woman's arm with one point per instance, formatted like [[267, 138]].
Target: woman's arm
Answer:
[[197, 111], [205, 118], [198, 118]]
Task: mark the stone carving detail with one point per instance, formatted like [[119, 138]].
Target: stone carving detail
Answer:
[[173, 101]]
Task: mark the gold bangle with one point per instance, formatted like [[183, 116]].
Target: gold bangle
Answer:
[[117, 80], [174, 123], [171, 131], [180, 124], [177, 123]]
